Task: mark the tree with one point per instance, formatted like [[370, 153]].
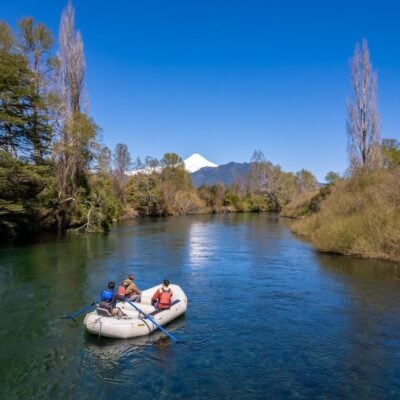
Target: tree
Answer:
[[258, 171], [363, 118], [391, 153], [122, 160], [72, 62], [172, 160], [332, 177], [36, 42], [104, 158], [122, 163], [74, 150], [16, 92], [268, 180], [306, 181]]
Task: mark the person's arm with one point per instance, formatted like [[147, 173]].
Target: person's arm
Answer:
[[155, 297], [114, 299], [136, 289], [129, 289]]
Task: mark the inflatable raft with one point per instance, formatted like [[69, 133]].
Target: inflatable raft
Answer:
[[133, 323]]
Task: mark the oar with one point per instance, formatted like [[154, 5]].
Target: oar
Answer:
[[79, 312], [152, 320]]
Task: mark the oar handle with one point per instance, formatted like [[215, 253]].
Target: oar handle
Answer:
[[147, 316]]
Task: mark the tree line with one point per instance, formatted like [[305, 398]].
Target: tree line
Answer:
[[164, 187]]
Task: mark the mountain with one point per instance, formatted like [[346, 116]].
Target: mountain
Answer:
[[196, 161], [228, 174]]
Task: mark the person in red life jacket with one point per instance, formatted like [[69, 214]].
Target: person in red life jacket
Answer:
[[163, 296], [122, 289]]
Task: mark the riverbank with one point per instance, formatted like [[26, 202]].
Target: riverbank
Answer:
[[358, 216]]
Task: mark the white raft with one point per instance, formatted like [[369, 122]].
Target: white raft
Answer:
[[132, 324]]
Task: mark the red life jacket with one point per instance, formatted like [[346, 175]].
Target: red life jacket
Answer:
[[121, 290], [165, 299]]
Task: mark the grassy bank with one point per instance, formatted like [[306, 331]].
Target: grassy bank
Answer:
[[359, 216]]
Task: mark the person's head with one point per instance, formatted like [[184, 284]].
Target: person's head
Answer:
[[131, 277], [166, 282], [111, 285]]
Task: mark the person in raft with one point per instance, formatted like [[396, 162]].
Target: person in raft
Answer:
[[121, 290], [132, 292], [162, 297], [108, 300]]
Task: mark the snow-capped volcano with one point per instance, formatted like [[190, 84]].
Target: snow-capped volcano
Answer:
[[192, 164], [197, 161]]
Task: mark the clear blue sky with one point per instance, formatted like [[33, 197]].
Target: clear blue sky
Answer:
[[224, 78]]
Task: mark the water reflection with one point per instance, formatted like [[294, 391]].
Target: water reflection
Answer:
[[201, 237]]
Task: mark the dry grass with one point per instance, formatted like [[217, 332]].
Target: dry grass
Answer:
[[360, 217], [299, 206]]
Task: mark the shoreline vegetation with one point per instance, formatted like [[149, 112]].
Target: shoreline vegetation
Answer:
[[55, 174]]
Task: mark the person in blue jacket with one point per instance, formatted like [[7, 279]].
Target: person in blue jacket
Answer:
[[107, 295], [108, 300]]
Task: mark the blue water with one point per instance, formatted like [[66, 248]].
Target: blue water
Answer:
[[268, 317]]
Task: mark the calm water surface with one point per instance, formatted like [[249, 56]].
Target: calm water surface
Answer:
[[267, 318]]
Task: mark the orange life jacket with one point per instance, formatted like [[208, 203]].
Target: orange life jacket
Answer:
[[121, 290], [165, 299]]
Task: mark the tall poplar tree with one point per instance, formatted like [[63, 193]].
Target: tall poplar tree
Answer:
[[74, 149], [362, 113]]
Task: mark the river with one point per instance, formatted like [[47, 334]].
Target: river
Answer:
[[268, 317]]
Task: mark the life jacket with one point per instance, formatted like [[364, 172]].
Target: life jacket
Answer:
[[121, 290], [165, 298], [107, 295]]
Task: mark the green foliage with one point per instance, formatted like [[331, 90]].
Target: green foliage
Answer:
[[332, 177], [36, 42], [6, 38], [391, 153], [16, 91], [21, 186], [144, 194], [171, 161], [165, 192]]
